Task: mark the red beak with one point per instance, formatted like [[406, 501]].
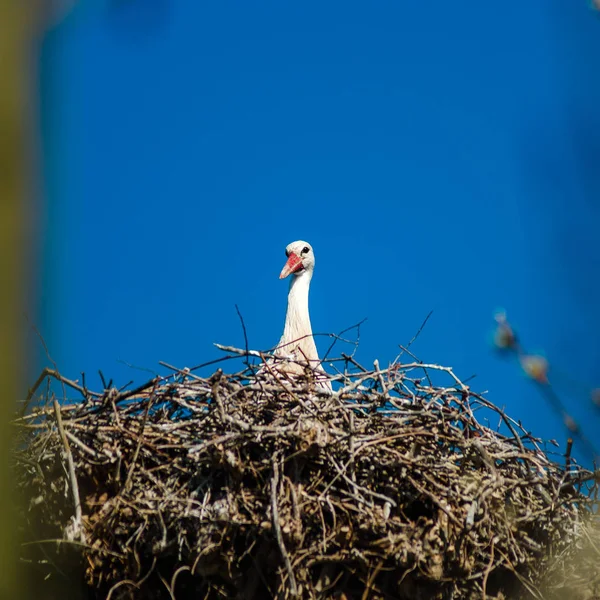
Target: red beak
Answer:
[[293, 264]]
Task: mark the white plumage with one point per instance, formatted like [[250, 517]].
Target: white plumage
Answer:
[[297, 343]]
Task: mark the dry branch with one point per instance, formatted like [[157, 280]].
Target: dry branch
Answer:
[[246, 486]]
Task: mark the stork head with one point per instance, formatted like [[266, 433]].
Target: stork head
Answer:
[[300, 259]]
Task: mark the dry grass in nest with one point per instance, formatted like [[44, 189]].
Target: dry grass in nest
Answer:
[[251, 487]]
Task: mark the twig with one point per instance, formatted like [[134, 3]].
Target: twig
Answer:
[[414, 337], [72, 476], [277, 528], [238, 351], [338, 337], [244, 330], [488, 571], [124, 395], [132, 466], [568, 457]]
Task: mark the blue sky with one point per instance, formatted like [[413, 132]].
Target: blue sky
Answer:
[[437, 156]]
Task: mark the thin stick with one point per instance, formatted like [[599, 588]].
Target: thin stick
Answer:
[[277, 527], [72, 476], [339, 338], [243, 328], [414, 337]]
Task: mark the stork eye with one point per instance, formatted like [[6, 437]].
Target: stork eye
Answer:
[[305, 250]]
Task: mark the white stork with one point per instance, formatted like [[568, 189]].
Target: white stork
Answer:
[[297, 343]]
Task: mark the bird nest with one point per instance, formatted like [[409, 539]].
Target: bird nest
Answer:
[[252, 486]]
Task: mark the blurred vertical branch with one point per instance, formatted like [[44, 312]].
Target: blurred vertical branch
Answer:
[[15, 46], [536, 367]]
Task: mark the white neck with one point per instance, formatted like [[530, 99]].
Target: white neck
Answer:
[[297, 332]]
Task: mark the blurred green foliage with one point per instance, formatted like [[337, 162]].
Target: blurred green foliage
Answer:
[[15, 169]]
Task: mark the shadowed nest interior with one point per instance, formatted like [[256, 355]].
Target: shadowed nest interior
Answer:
[[402, 484]]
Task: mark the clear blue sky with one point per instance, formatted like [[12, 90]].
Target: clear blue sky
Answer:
[[438, 156]]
